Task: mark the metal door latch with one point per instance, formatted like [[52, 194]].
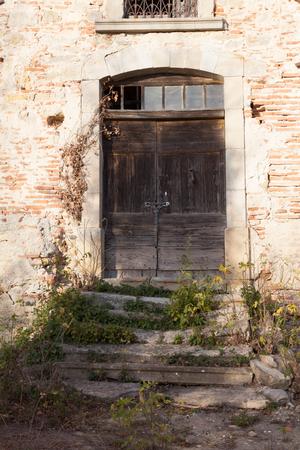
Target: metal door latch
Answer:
[[157, 206]]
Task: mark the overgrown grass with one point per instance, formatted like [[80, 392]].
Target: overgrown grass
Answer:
[[70, 317], [206, 361]]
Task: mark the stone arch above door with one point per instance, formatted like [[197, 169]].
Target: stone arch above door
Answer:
[[134, 60]]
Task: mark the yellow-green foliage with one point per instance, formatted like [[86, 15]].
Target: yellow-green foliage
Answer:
[[191, 302]]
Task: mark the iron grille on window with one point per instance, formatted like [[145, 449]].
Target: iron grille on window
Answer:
[[160, 8]]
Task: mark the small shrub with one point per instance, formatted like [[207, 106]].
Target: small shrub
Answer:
[[244, 420], [97, 375], [202, 340], [143, 420], [178, 339], [272, 324], [142, 306]]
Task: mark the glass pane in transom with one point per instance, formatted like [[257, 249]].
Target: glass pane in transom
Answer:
[[173, 97], [214, 96], [153, 98], [194, 97]]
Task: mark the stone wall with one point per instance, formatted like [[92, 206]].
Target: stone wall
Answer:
[[48, 50]]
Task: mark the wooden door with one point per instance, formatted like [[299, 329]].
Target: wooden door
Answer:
[[191, 170], [129, 182], [185, 160]]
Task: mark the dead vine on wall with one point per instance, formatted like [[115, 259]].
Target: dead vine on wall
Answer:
[[73, 173]]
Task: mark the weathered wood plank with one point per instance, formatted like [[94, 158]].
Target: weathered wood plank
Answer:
[[165, 374]]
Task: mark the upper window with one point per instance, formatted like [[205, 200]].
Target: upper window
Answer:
[[160, 8]]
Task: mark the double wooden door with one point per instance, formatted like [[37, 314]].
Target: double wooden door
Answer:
[[164, 197]]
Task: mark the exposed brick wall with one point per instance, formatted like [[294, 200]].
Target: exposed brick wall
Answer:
[[44, 47]]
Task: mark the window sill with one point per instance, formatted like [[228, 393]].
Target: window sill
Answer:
[[159, 25]]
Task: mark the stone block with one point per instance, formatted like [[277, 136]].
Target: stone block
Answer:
[[276, 395], [91, 209], [113, 9], [206, 8], [236, 208], [92, 165], [90, 90], [236, 247], [269, 376], [136, 58], [269, 360], [94, 67], [233, 93], [255, 68], [235, 169], [230, 66], [113, 63], [234, 130]]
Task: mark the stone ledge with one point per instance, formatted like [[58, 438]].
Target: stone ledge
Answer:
[[159, 25]]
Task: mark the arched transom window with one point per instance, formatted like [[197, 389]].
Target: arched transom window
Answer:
[[169, 93]]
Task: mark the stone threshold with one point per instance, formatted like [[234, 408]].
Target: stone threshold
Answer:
[[159, 25]]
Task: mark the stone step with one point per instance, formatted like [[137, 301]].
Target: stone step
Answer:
[[140, 353], [159, 373], [105, 390], [118, 300], [230, 318], [184, 397], [205, 397]]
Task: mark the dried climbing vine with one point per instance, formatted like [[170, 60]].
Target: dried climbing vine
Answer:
[[73, 172]]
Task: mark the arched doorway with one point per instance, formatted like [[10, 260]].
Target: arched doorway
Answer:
[[164, 177]]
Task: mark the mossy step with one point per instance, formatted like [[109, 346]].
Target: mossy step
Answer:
[[118, 300], [159, 373]]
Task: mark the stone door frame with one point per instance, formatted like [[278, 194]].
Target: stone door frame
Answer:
[[133, 60]]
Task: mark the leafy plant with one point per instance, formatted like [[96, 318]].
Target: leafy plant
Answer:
[[191, 302]]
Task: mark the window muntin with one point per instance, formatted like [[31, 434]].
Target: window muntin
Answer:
[[169, 97], [146, 9]]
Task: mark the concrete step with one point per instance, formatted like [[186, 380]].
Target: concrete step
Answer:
[[158, 373]]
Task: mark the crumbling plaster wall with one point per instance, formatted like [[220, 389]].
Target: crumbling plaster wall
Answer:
[[48, 48]]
